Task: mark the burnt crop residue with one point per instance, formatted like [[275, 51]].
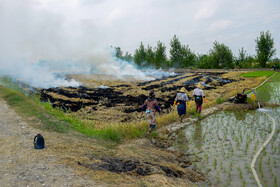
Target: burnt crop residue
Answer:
[[164, 78], [165, 83], [80, 97], [136, 167], [127, 98], [144, 168]]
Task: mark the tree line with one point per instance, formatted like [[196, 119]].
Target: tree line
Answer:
[[219, 57]]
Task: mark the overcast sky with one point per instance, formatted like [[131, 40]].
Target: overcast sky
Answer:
[[42, 29]]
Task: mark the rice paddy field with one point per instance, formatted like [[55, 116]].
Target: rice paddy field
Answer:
[[258, 74], [225, 143]]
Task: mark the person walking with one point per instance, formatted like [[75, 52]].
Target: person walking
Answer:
[[151, 106], [180, 100], [198, 95]]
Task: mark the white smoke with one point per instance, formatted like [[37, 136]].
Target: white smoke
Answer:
[[159, 73], [37, 45]]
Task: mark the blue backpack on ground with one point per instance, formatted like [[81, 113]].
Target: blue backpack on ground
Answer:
[[39, 142]]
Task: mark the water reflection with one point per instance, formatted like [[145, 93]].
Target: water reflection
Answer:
[[226, 143]]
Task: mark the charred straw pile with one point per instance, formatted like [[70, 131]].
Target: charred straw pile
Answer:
[[122, 102]]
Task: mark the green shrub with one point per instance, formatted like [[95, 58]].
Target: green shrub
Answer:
[[220, 100]]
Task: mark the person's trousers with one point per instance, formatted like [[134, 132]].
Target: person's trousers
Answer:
[[198, 107]]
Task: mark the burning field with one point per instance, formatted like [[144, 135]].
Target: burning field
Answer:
[[104, 99]]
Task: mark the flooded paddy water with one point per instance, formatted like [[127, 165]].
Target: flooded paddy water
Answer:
[[225, 143]]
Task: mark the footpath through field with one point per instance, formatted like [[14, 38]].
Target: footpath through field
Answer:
[[22, 165]]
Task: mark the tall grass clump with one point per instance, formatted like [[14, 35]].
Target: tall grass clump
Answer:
[[220, 100]]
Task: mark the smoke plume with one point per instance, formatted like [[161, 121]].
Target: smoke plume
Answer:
[[38, 46]]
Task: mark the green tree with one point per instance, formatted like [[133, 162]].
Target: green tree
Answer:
[[160, 55], [140, 55], [127, 57], [150, 56], [250, 62], [189, 58], [265, 48], [242, 58], [221, 56], [119, 52], [204, 61], [176, 56]]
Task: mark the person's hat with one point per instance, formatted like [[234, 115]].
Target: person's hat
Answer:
[[199, 85], [183, 89], [152, 94]]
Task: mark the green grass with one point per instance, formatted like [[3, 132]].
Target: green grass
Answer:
[[26, 107], [258, 74], [220, 100], [275, 78]]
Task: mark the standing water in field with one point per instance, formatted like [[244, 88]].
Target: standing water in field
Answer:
[[225, 143]]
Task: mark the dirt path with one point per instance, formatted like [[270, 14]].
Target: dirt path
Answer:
[[22, 165]]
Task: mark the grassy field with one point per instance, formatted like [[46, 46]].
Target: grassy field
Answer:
[[258, 74]]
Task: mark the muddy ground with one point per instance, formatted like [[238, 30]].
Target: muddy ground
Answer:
[[121, 101]]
